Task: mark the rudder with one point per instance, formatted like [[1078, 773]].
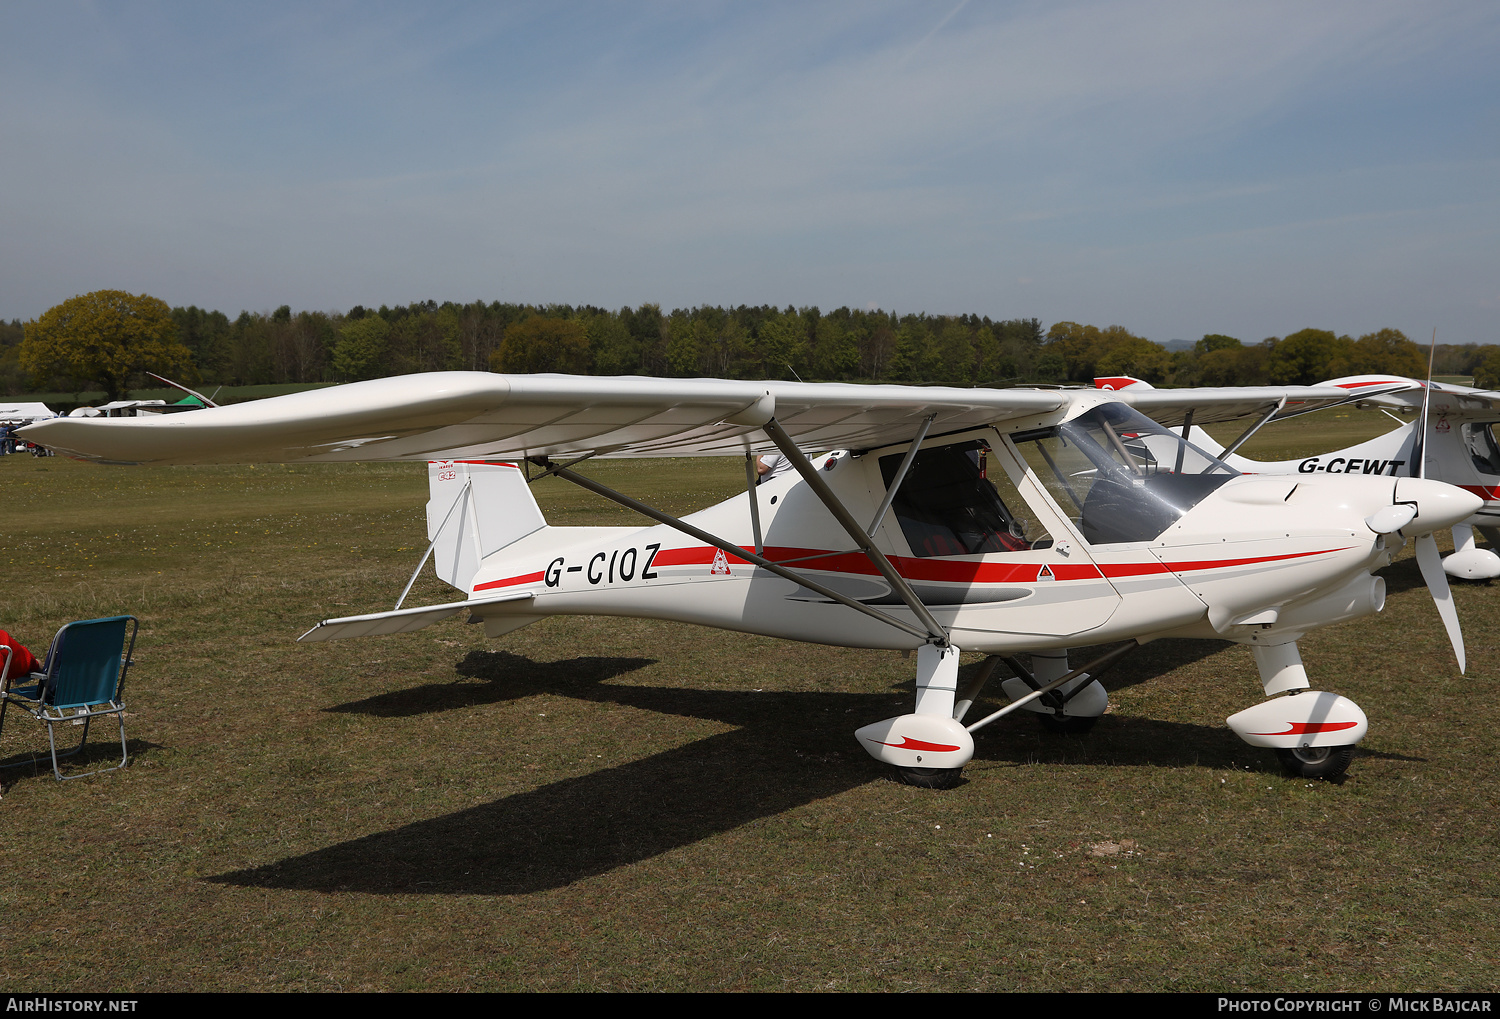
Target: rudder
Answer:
[[474, 509]]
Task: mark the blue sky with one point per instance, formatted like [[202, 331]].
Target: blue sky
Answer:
[[1177, 168]]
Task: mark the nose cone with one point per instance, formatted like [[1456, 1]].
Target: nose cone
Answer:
[[1438, 505]]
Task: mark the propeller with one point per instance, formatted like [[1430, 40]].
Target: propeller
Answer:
[[1428, 559], [1437, 586], [1438, 505]]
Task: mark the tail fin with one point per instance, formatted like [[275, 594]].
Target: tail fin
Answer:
[[1121, 382], [475, 509]]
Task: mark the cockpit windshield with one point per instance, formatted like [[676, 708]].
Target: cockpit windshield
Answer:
[[1120, 475]]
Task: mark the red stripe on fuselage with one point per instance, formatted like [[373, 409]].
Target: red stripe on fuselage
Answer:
[[943, 570], [938, 570], [1216, 564], [907, 743], [529, 578]]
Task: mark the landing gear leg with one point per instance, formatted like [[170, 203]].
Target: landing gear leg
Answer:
[[929, 747], [1312, 732], [1073, 708]]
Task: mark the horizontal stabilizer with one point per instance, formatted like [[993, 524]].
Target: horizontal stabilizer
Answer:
[[399, 620]]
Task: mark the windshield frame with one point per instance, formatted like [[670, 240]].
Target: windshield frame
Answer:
[[1141, 477]]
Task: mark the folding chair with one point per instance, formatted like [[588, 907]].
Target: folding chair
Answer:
[[81, 679]]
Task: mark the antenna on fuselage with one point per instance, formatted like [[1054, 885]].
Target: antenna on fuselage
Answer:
[[1428, 558], [1421, 448]]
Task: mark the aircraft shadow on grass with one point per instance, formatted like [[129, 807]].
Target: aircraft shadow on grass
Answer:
[[507, 681], [788, 749]]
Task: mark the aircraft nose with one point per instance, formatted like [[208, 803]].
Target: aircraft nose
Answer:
[[1439, 505]]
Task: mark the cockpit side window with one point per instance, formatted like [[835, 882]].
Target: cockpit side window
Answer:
[[1479, 440], [946, 505]]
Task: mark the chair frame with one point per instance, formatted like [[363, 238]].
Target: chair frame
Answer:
[[51, 715]]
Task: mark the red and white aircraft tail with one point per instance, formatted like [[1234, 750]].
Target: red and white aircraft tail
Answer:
[[475, 509]]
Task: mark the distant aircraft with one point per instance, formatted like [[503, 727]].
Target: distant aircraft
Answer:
[[996, 521]]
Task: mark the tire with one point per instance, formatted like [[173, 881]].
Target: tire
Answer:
[[1316, 762], [1067, 725], [931, 778]]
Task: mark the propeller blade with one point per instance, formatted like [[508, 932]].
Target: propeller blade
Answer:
[[1437, 585]]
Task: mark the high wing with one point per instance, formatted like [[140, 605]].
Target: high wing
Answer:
[[482, 415], [1170, 406], [1395, 392]]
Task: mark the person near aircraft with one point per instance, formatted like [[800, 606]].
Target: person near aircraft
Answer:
[[769, 466]]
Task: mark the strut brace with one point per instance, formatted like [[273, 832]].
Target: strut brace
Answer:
[[433, 543], [1097, 667], [1245, 435], [890, 495], [752, 478]]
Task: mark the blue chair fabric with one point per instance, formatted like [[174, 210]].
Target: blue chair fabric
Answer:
[[82, 678]]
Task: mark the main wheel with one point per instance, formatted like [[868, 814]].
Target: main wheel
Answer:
[[1068, 725], [931, 778], [1316, 762]]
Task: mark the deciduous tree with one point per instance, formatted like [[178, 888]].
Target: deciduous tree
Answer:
[[542, 344], [360, 353], [104, 338]]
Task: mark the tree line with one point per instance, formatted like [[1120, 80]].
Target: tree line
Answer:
[[1303, 358], [109, 338]]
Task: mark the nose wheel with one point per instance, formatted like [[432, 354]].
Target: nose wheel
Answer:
[[1067, 725], [1316, 762], [931, 778]]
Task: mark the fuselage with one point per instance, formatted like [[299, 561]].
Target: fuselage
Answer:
[[1252, 559]]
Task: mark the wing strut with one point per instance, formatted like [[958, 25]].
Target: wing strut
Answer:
[[1187, 426], [936, 634], [1419, 451], [729, 547], [890, 495], [752, 478], [1245, 435]]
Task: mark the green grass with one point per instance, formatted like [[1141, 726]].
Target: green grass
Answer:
[[605, 804]]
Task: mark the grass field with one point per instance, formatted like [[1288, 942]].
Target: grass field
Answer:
[[603, 804]]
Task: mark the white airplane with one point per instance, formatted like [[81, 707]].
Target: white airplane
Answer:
[[1460, 446], [995, 521]]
